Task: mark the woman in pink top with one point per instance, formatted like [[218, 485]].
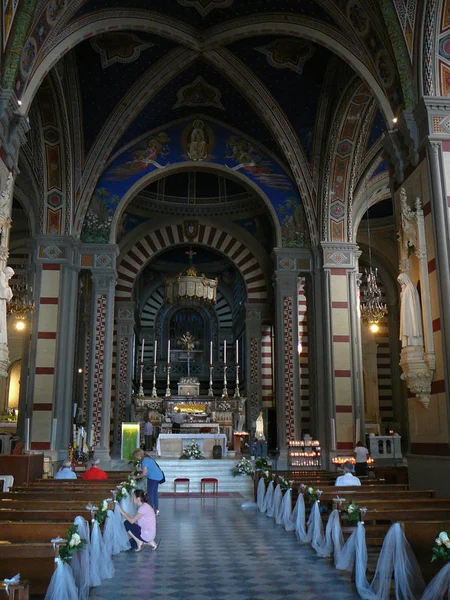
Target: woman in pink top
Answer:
[[142, 527]]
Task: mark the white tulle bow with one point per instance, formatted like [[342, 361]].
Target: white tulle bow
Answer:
[[56, 541], [13, 581]]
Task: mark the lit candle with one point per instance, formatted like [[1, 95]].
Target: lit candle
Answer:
[[168, 352], [237, 352], [210, 354], [224, 352], [142, 350], [155, 352]]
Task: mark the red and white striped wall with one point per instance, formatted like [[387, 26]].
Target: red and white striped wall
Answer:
[[244, 260], [266, 366], [45, 357]]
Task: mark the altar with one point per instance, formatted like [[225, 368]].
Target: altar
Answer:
[[171, 445]]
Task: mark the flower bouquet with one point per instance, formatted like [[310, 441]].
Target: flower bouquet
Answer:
[[192, 450], [242, 467], [100, 513], [352, 511], [73, 544], [310, 493], [125, 488], [441, 549], [284, 483], [261, 464]]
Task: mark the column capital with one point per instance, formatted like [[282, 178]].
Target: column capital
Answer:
[[256, 312], [340, 256], [98, 256], [292, 260], [432, 115], [125, 311], [13, 127], [104, 281]]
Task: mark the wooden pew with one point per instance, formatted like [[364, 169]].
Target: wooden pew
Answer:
[[33, 560], [421, 536], [37, 531]]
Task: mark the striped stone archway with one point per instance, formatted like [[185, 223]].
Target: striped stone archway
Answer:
[[132, 263]]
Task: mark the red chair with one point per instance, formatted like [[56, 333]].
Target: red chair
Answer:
[[209, 481], [181, 481]]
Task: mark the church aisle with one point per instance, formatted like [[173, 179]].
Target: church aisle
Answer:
[[211, 548]]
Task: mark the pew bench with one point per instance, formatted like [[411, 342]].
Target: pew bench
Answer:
[[33, 560]]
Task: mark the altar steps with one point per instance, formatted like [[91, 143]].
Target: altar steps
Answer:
[[195, 470]]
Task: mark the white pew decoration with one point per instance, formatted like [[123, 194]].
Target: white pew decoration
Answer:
[[62, 583], [279, 515], [298, 515], [346, 559], [260, 493], [315, 526], [101, 564], [272, 510], [13, 581], [122, 539], [268, 498], [80, 561], [397, 557], [286, 511], [333, 540], [109, 537], [439, 586], [127, 505]]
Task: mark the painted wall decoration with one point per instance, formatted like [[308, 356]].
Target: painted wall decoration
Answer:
[[156, 150], [406, 12], [118, 47], [444, 50], [199, 93], [288, 53], [9, 9]]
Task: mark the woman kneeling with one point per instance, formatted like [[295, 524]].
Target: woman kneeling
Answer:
[[142, 527]]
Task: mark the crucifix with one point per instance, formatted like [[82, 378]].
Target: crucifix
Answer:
[[188, 342]]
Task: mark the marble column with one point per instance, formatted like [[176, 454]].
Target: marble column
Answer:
[[254, 382], [100, 360], [124, 369], [289, 263], [340, 263]]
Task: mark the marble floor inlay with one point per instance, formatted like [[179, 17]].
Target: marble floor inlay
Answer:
[[211, 548]]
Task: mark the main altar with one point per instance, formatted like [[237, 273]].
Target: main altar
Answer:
[[190, 415]]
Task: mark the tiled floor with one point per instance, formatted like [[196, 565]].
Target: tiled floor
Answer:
[[212, 549]]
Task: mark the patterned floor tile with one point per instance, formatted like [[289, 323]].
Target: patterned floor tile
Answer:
[[211, 548]]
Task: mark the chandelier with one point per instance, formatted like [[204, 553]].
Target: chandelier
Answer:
[[21, 305], [190, 288], [372, 308]]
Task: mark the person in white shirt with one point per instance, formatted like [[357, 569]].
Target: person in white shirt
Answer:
[[65, 471], [361, 454], [348, 479]]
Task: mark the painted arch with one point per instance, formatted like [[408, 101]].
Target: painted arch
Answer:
[[166, 149]]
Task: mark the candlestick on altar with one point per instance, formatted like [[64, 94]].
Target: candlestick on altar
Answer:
[[225, 352], [154, 392], [211, 391], [141, 380], [142, 350], [210, 355], [237, 353], [237, 393], [168, 392], [155, 352], [225, 390]]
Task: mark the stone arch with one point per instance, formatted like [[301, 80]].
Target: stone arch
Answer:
[[132, 263]]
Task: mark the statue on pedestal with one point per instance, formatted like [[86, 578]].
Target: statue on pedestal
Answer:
[[259, 433], [411, 333]]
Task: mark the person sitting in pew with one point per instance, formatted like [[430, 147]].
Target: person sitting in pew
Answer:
[[65, 472], [94, 472], [348, 479]]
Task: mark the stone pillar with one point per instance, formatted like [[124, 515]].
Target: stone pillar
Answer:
[[124, 369], [253, 368], [341, 282], [288, 265], [100, 360]]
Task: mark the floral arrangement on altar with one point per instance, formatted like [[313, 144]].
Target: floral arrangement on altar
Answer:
[[73, 544], [441, 549], [310, 493], [192, 450], [243, 467]]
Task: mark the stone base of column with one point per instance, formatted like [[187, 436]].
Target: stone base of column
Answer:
[[4, 360], [103, 455]]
